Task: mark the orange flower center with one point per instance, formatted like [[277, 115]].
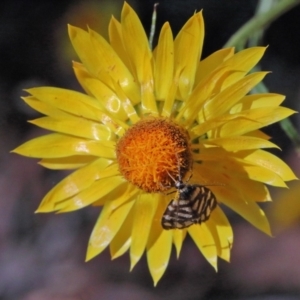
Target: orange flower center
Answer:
[[152, 150]]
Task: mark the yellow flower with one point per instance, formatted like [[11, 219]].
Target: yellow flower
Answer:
[[147, 117]]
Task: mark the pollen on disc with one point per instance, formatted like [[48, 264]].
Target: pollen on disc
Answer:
[[152, 149]]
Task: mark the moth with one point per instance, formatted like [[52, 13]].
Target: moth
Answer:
[[192, 204]]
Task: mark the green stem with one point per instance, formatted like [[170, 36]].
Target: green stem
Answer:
[[259, 21], [252, 32], [262, 8], [291, 131], [153, 25]]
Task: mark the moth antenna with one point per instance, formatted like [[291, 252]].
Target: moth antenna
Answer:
[[178, 167], [172, 177]]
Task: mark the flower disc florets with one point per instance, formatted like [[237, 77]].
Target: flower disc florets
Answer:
[[151, 150]]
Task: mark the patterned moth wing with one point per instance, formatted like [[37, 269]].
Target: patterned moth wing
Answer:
[[193, 204]]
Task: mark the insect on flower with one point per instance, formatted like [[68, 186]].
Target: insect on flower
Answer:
[[193, 204]]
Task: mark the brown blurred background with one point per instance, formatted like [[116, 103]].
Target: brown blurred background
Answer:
[[42, 256]]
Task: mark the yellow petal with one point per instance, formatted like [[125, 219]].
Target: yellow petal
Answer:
[[243, 122], [178, 238], [187, 57], [137, 47], [220, 178], [216, 172], [252, 190], [264, 175], [205, 127], [106, 97], [221, 231], [117, 42], [231, 175], [76, 182], [75, 126], [164, 63], [75, 103], [101, 189], [135, 39], [205, 242], [84, 48], [257, 101], [158, 255], [258, 134], [80, 180], [82, 74], [251, 212], [45, 108], [201, 93], [159, 245], [109, 93], [254, 119], [271, 162], [246, 59], [240, 143], [211, 62], [128, 107], [211, 154], [122, 240], [112, 65], [59, 145], [107, 226], [224, 100], [144, 209], [122, 194], [242, 61], [148, 103], [168, 104], [99, 57], [67, 163]]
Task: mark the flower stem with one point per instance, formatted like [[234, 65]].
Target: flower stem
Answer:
[[153, 25], [252, 32], [259, 21], [291, 132], [262, 8]]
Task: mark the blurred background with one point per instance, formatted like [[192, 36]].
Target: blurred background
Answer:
[[42, 255]]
